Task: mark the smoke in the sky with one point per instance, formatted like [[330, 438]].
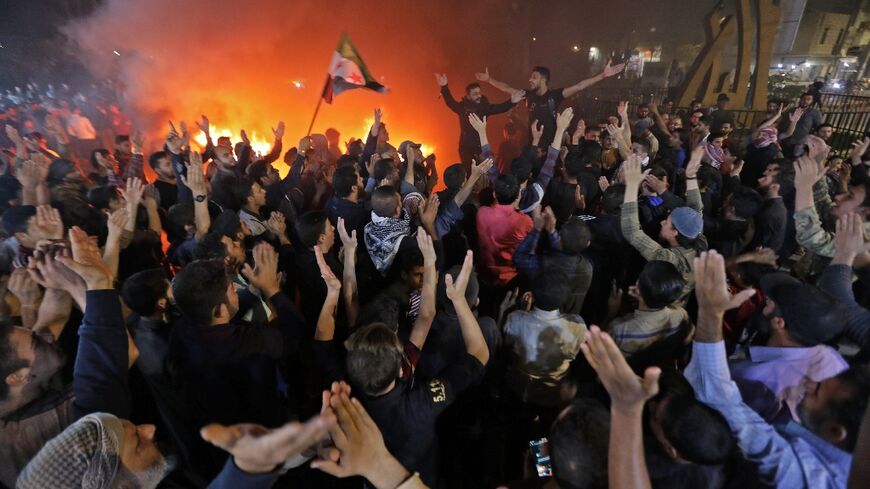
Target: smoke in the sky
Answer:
[[237, 61]]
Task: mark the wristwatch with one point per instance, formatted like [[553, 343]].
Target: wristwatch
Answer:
[[199, 198]]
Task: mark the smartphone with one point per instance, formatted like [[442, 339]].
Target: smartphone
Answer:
[[540, 449]]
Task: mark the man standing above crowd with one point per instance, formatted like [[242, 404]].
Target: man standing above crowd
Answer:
[[543, 100], [474, 102], [808, 118]]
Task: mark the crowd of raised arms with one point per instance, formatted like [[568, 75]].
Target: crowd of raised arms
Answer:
[[641, 301]]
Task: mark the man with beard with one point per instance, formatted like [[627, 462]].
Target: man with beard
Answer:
[[474, 102], [33, 408], [103, 448], [166, 184], [544, 101], [772, 221], [818, 451], [808, 118]]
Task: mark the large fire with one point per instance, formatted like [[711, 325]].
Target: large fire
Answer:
[[262, 144], [274, 65]]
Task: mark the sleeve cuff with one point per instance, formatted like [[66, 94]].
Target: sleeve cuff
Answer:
[[711, 356], [103, 307], [233, 476]]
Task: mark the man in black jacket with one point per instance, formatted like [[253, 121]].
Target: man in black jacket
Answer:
[[472, 103]]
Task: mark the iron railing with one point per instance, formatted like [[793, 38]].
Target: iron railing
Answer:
[[848, 114]]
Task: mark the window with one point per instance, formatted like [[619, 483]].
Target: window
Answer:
[[824, 35], [651, 54]]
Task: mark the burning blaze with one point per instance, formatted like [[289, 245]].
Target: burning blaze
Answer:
[[260, 145], [281, 75], [396, 136]]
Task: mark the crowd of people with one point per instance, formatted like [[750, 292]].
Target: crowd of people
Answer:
[[641, 301]]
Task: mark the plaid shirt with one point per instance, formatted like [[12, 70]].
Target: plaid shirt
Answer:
[[788, 456], [678, 256]]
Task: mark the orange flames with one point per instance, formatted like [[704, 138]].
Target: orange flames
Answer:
[[263, 144]]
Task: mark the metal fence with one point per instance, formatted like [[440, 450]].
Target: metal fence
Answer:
[[848, 114]]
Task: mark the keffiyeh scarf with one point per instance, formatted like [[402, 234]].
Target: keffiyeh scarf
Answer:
[[715, 153], [86, 455], [383, 236], [766, 137]]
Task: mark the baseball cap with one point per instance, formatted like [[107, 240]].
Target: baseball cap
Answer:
[[403, 148], [811, 315]]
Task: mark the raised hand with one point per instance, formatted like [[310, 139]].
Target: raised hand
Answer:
[[117, 222], [477, 123], [48, 271], [622, 110], [563, 120], [14, 136], [484, 76], [430, 210], [348, 241], [22, 286], [173, 142], [633, 173], [537, 130], [376, 125], [456, 288], [807, 172], [603, 183], [203, 125], [360, 445], [509, 301], [628, 392], [278, 131], [105, 162], [185, 136], [711, 290], [579, 131], [695, 161], [264, 275], [86, 261], [133, 192], [611, 70], [370, 164], [655, 184], [424, 242], [244, 136], [194, 180], [441, 78], [480, 169], [796, 115], [859, 147], [48, 223], [333, 284], [257, 449], [517, 96], [276, 223], [849, 239], [138, 140]]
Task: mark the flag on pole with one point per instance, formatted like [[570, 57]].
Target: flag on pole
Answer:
[[347, 70]]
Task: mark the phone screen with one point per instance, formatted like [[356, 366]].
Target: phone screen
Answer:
[[541, 451]]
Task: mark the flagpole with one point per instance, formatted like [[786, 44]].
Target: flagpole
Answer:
[[317, 108]]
